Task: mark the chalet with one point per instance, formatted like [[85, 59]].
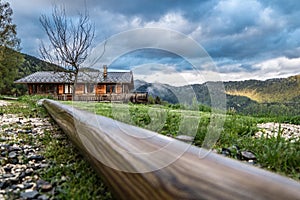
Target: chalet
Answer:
[[91, 85]]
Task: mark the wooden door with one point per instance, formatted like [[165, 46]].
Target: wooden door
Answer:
[[60, 89], [101, 89]]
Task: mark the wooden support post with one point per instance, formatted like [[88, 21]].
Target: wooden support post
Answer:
[[106, 143]]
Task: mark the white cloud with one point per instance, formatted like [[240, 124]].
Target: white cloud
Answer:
[[280, 65], [172, 20], [167, 74], [171, 78]]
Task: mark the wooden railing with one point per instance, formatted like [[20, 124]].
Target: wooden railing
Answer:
[[108, 144], [125, 97]]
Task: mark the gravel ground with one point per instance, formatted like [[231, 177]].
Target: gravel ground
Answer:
[[21, 157], [288, 131], [3, 103]]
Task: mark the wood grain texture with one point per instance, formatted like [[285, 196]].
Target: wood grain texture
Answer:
[[140, 164]]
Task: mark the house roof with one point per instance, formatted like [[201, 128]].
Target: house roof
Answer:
[[83, 77]]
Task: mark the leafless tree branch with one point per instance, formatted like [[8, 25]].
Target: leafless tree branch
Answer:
[[70, 40]]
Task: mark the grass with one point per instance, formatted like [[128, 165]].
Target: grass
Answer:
[[275, 154], [75, 177], [68, 171]]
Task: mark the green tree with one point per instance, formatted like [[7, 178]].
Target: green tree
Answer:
[[9, 62], [8, 33], [10, 59]]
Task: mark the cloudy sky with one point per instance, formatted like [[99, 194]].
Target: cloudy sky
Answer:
[[253, 39]]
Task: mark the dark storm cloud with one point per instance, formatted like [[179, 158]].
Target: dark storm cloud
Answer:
[[245, 29], [152, 10], [238, 34], [152, 56]]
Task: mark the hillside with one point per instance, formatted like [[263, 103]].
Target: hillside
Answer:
[[30, 65], [271, 97], [15, 65], [280, 90]]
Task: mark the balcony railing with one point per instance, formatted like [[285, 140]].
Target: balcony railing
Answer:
[[125, 97]]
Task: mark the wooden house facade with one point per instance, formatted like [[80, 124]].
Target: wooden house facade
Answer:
[[94, 86]]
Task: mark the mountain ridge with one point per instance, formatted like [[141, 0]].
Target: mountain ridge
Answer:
[[275, 90], [278, 90]]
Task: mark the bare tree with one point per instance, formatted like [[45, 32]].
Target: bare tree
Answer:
[[70, 41]]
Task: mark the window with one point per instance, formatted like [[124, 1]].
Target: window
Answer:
[[110, 88], [68, 89], [89, 88]]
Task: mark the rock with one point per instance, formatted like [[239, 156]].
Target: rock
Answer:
[[44, 165], [36, 166], [185, 138], [36, 177], [14, 161], [14, 180], [43, 197], [226, 152], [30, 194], [28, 171], [4, 153], [4, 184], [252, 162], [22, 175], [16, 191], [8, 175], [14, 187], [46, 187], [36, 157], [12, 154], [7, 168], [14, 148], [28, 178], [247, 155], [20, 186], [43, 185], [27, 185], [28, 131]]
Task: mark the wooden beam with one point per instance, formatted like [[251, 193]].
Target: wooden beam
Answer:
[[117, 152]]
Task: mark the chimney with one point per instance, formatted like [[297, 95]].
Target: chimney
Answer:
[[104, 71]]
